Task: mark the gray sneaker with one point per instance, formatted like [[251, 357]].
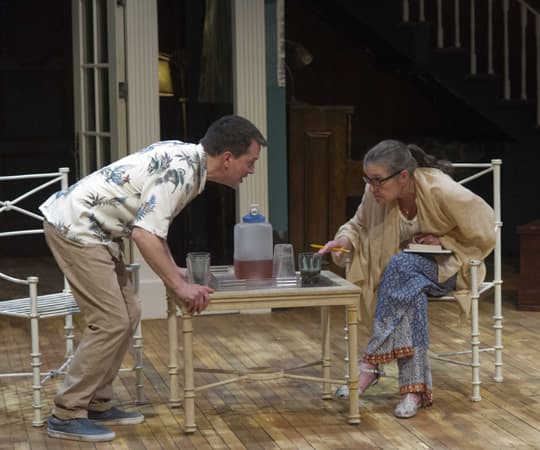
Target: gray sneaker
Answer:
[[78, 430], [115, 416]]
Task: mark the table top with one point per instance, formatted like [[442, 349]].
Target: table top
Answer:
[[333, 291]]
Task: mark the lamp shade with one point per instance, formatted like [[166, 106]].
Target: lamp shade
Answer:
[[164, 74]]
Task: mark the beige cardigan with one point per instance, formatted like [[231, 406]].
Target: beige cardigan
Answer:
[[463, 220]]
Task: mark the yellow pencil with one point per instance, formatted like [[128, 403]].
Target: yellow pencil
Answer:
[[335, 249]]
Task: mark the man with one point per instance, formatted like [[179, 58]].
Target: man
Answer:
[[136, 197]]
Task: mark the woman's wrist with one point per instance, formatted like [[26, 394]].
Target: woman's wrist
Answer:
[[343, 242]]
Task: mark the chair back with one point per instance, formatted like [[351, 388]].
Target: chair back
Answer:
[[24, 189], [479, 170]]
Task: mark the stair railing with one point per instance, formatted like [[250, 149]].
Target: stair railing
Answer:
[[528, 16]]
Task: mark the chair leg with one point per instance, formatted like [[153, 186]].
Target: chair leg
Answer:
[[36, 372], [137, 349], [343, 390], [498, 327], [35, 354], [475, 334], [137, 338], [497, 316], [70, 337]]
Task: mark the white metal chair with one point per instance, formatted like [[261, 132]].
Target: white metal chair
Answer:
[[494, 168], [481, 169], [61, 304]]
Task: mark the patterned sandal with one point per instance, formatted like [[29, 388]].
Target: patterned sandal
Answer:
[[407, 408]]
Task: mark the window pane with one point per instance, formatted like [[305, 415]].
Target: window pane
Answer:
[[105, 150], [88, 32], [103, 99], [91, 163], [102, 36], [90, 113]]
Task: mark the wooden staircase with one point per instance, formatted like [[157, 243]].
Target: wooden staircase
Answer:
[[486, 53]]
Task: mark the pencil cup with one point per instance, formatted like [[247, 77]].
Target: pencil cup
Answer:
[[309, 264], [198, 266], [283, 264]]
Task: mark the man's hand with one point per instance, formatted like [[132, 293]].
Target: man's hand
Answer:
[[157, 254], [195, 297]]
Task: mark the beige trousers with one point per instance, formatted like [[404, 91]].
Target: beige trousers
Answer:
[[103, 290]]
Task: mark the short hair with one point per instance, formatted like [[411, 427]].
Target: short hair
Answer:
[[232, 133], [396, 155]]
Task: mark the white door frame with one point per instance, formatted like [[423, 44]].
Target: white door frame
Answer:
[[249, 77]]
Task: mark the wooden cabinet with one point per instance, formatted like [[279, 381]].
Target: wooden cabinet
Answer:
[[529, 260], [320, 175]]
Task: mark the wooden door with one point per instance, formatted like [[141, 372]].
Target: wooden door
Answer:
[[319, 148]]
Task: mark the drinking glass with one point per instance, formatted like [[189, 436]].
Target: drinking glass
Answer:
[[198, 266], [283, 263], [309, 264]]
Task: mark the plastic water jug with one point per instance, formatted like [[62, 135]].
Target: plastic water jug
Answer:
[[253, 246]]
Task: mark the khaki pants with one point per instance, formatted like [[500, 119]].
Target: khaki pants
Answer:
[[101, 285]]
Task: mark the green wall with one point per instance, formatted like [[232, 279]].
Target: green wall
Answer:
[[276, 130]]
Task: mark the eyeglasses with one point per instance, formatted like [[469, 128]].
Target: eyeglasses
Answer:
[[377, 182]]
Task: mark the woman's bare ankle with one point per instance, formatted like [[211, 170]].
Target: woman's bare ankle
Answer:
[[414, 396], [365, 365], [367, 376]]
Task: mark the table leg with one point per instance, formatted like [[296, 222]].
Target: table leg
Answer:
[[352, 325], [326, 362], [174, 391], [189, 388]]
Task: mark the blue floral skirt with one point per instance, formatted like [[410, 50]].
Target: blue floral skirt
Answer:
[[400, 329]]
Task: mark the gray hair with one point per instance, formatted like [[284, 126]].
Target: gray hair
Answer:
[[396, 155]]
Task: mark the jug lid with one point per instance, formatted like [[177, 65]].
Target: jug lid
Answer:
[[253, 216]]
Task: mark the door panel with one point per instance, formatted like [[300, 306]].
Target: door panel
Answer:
[[99, 83]]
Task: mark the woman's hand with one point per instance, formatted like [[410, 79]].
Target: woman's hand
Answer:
[[342, 242], [426, 238]]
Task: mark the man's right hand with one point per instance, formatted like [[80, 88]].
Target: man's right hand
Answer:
[[157, 254], [195, 297]]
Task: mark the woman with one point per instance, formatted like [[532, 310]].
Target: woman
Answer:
[[410, 197]]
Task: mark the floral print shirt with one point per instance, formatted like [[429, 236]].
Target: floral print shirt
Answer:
[[146, 189]]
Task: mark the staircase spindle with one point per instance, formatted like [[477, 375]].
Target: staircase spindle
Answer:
[[490, 37], [537, 29], [506, 7], [440, 35], [523, 52], [457, 25], [422, 13], [473, 37], [406, 11]]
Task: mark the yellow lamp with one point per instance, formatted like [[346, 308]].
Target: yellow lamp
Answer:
[[164, 74]]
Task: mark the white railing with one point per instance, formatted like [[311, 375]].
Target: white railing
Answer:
[[516, 28]]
